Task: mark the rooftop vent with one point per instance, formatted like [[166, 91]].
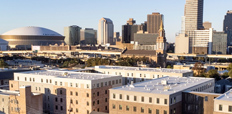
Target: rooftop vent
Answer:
[[164, 82], [132, 84]]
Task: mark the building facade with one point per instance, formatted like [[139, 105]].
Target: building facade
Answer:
[[21, 102], [68, 91], [72, 35], [223, 103], [158, 96], [105, 31]]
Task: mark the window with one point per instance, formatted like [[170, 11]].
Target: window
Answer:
[[120, 107], [128, 97], [25, 79], [76, 101], [71, 93], [113, 106], [33, 79], [113, 82], [142, 110], [87, 103], [206, 98], [70, 84], [76, 93], [132, 74], [114, 96], [109, 82], [116, 81], [41, 80], [50, 81], [157, 100], [165, 101], [71, 101], [220, 107], [174, 110], [46, 80], [97, 93], [135, 98], [61, 100], [149, 111], [98, 102], [150, 100], [87, 86], [120, 80], [134, 109], [106, 100], [87, 111], [157, 111], [55, 82], [56, 107], [76, 84], [61, 107], [106, 108], [76, 109], [105, 83], [127, 108], [142, 99], [120, 96], [61, 83], [230, 108], [165, 112], [18, 78], [106, 92], [30, 79], [60, 91], [87, 94], [174, 99]]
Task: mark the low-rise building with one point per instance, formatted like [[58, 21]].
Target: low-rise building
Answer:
[[159, 96], [223, 103], [138, 74], [69, 91], [21, 102]]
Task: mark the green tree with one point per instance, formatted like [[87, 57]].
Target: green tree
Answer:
[[229, 67], [213, 74], [3, 64], [182, 58], [169, 66], [230, 73]]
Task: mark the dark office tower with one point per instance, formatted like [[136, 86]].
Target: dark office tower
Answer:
[[193, 15], [128, 31], [227, 27], [227, 22], [153, 22]]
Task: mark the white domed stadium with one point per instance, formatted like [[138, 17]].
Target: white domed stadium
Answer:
[[23, 38]]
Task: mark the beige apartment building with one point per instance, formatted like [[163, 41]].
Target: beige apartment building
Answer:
[[138, 74], [157, 96], [21, 102], [223, 103], [69, 92]]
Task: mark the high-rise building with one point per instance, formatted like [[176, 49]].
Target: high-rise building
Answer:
[[227, 21], [88, 36], [129, 30], [207, 25], [153, 22], [72, 35], [227, 27], [193, 15], [105, 31]]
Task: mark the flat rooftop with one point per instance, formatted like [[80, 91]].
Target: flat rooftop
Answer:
[[143, 69], [158, 86], [227, 96], [70, 74]]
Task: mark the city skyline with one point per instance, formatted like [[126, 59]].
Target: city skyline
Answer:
[[62, 13]]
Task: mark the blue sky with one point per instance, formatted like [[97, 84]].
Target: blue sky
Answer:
[[56, 14]]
